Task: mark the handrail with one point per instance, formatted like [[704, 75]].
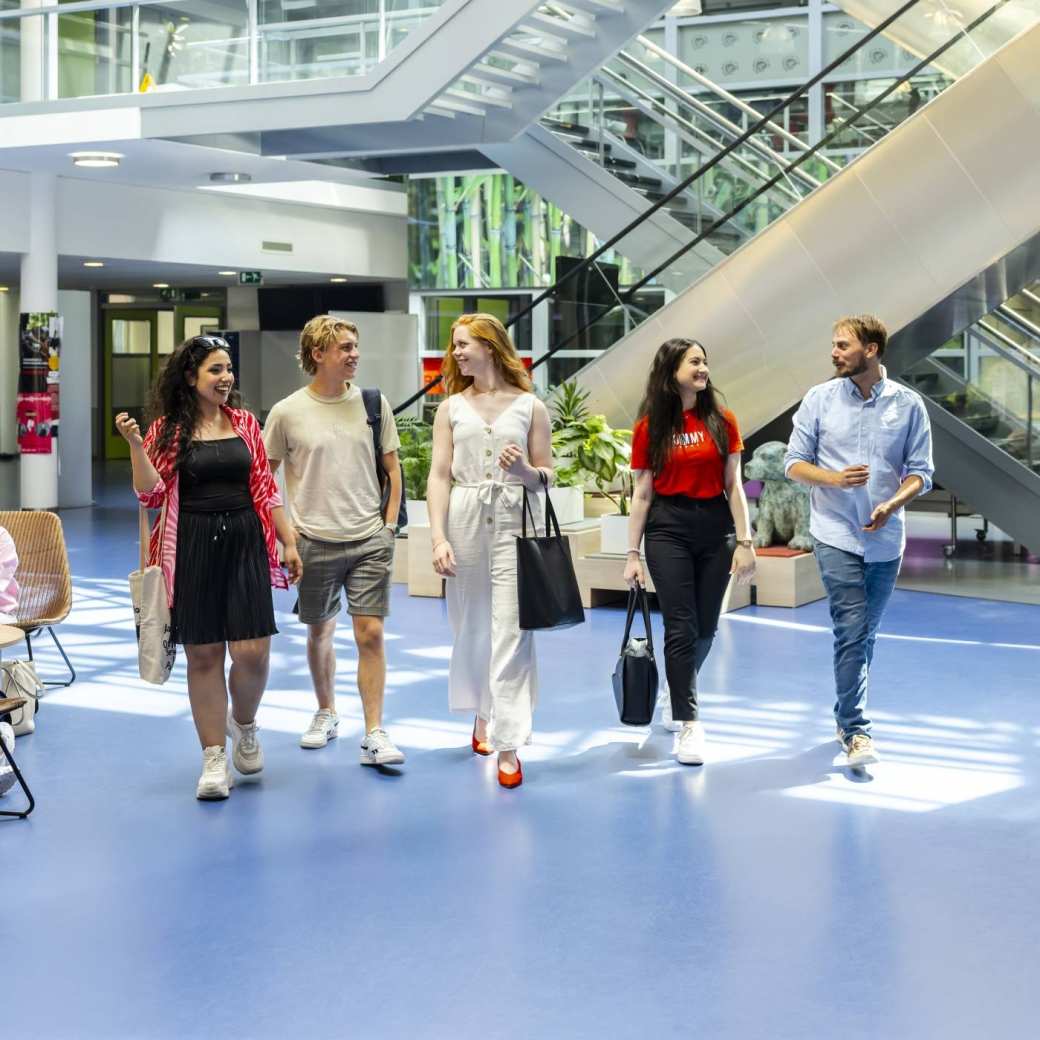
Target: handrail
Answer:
[[589, 262], [688, 130], [721, 92], [689, 101], [1012, 317], [1006, 346]]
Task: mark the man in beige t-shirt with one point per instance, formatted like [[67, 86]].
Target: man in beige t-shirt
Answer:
[[345, 529]]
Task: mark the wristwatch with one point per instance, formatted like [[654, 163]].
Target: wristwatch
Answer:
[[746, 542]]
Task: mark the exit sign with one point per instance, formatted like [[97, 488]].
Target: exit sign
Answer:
[[250, 278]]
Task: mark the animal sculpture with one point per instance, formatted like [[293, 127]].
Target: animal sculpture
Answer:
[[783, 507]]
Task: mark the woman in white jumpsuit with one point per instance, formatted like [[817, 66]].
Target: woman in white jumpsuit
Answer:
[[491, 438]]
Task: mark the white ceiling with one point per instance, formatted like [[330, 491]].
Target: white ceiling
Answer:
[[174, 164], [135, 274]]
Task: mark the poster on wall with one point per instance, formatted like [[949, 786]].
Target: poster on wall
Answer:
[[37, 408]]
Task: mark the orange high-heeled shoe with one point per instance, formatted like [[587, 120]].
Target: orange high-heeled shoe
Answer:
[[511, 779], [480, 747]]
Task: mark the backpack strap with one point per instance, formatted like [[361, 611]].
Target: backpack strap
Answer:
[[373, 401]]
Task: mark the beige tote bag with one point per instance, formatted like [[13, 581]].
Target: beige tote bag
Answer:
[[156, 650]]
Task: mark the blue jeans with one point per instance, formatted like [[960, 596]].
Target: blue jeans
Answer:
[[858, 593]]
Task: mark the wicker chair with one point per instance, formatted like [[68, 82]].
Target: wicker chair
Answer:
[[44, 581]]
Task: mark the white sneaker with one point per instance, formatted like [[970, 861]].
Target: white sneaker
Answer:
[[322, 729], [690, 746], [860, 750], [7, 777], [216, 780], [246, 753], [377, 749], [664, 702]]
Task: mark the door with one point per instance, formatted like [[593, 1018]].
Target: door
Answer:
[[131, 350], [192, 319]]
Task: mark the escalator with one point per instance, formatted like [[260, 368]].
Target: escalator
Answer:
[[982, 391]]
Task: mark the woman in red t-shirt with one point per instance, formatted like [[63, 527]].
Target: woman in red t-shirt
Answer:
[[689, 500]]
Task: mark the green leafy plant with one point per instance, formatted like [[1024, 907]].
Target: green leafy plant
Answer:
[[586, 448], [416, 454]]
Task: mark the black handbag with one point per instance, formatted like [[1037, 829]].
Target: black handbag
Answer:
[[635, 674], [547, 586]]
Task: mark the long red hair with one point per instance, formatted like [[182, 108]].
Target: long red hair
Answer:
[[487, 329]]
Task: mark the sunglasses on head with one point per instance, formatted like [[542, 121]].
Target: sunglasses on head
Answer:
[[213, 342]]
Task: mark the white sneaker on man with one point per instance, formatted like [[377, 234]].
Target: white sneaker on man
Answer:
[[323, 728], [246, 753], [689, 748], [7, 777], [216, 780], [377, 749], [664, 702], [860, 750]]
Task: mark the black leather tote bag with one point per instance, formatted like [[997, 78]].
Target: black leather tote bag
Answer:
[[547, 586], [635, 674]]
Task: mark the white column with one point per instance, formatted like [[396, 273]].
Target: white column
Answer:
[[39, 292], [32, 53]]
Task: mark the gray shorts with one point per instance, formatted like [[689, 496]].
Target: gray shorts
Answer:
[[363, 568]]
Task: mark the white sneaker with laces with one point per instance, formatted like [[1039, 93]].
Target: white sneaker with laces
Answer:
[[860, 750], [216, 780], [246, 753], [323, 728], [7, 777], [689, 748], [664, 702], [377, 749]]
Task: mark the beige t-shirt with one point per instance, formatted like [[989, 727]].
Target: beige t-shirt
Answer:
[[325, 444]]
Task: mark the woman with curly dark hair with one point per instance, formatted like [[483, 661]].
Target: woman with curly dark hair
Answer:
[[689, 499], [203, 464]]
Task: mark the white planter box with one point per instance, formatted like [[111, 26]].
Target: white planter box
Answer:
[[418, 514], [613, 534], [568, 504]]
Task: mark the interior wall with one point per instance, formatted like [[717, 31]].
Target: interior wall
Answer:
[[389, 358]]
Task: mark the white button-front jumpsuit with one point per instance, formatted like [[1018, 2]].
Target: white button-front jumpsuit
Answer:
[[493, 672]]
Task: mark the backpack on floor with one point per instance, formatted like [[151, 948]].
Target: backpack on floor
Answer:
[[19, 679]]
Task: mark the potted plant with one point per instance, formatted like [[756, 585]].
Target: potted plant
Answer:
[[613, 527], [416, 454], [588, 451], [566, 407]]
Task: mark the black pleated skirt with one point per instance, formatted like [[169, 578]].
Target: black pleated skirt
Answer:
[[222, 585]]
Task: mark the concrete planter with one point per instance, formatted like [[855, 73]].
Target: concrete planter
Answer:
[[568, 504], [613, 534], [418, 514]]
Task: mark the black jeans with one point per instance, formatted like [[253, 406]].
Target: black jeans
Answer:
[[689, 551]]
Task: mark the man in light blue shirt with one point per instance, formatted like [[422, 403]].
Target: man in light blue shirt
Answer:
[[864, 445]]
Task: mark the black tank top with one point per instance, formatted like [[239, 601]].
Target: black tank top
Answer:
[[215, 476]]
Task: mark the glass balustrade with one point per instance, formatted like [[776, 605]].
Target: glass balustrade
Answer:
[[94, 48]]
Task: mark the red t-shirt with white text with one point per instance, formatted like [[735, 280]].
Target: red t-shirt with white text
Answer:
[[694, 467]]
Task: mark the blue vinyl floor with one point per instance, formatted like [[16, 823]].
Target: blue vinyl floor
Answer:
[[769, 894]]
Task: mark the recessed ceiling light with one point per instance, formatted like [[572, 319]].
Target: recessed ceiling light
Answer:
[[337, 279], [93, 263], [230, 178], [95, 160], [160, 285], [3, 288], [227, 274]]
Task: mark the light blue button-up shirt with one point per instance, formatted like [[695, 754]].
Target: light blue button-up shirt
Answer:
[[889, 432]]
